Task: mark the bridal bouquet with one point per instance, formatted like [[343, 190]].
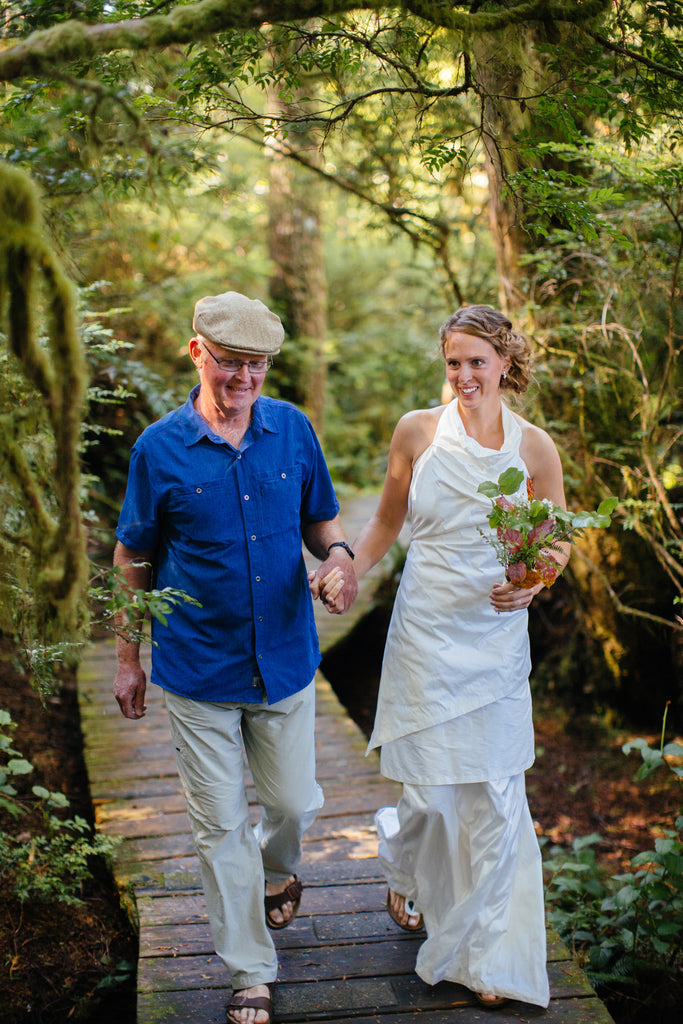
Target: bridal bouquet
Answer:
[[528, 529]]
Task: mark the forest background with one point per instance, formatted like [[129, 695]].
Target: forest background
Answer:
[[364, 169]]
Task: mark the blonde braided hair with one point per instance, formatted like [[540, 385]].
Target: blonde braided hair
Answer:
[[487, 323]]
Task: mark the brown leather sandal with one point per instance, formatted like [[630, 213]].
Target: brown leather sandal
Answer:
[[241, 1002], [491, 1002], [292, 894], [394, 917]]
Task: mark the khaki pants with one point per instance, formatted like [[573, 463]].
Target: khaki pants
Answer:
[[235, 858]]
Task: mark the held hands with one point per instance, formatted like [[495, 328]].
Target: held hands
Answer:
[[506, 597], [336, 588]]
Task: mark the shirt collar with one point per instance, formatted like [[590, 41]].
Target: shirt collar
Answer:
[[195, 427]]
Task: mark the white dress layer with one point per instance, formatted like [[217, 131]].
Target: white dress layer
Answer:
[[454, 702], [469, 858]]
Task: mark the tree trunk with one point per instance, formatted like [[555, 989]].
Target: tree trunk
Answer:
[[298, 284], [503, 61]]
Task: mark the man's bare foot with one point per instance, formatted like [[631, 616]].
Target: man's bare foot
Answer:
[[404, 914], [280, 916], [249, 1014]]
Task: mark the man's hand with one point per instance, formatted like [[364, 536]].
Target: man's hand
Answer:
[[334, 583], [130, 685]]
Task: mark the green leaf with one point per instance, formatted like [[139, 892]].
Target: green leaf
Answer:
[[607, 507], [582, 520], [488, 488], [626, 896], [510, 481]]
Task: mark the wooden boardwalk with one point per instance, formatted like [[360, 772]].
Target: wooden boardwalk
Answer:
[[342, 959]]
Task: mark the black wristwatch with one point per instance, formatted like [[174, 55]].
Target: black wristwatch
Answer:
[[341, 544]]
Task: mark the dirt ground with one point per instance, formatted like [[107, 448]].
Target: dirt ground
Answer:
[[63, 963]]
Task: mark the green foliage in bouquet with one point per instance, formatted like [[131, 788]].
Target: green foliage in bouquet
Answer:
[[528, 529]]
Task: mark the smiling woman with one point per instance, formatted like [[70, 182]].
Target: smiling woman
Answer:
[[453, 713]]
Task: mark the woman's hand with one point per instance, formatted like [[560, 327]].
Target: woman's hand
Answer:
[[507, 597], [328, 589]]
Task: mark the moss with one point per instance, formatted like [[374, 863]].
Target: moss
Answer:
[[32, 279], [72, 40]]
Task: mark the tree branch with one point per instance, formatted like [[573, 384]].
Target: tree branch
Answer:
[[625, 609], [638, 58], [50, 48]]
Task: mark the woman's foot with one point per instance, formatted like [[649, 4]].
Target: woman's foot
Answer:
[[490, 1001], [250, 1006], [403, 913], [281, 912]]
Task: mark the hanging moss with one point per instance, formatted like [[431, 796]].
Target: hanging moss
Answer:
[[35, 293]]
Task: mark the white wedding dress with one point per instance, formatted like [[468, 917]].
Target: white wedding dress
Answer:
[[454, 726]]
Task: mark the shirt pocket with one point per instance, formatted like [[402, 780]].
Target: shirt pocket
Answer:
[[280, 504], [204, 513]]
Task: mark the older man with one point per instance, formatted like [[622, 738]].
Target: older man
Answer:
[[220, 493]]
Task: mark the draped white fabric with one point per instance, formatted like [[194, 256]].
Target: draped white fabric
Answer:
[[469, 858], [447, 651]]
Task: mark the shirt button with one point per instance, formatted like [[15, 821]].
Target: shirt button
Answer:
[[239, 456], [253, 536], [260, 657], [246, 497], [199, 490], [258, 579], [283, 475], [260, 618]]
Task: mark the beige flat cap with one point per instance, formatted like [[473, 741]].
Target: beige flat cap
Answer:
[[233, 321]]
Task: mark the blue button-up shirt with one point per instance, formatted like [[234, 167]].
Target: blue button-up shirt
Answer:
[[224, 525]]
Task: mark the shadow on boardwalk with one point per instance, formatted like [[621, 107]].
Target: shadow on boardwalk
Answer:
[[342, 959]]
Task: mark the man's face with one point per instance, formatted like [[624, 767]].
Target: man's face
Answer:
[[230, 380]]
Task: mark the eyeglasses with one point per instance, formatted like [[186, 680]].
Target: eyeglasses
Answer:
[[235, 365]]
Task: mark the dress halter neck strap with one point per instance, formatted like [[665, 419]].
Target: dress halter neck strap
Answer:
[[450, 426]]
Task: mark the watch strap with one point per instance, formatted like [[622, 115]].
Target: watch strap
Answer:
[[341, 544]]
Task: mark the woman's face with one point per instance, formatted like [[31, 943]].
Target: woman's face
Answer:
[[473, 369]]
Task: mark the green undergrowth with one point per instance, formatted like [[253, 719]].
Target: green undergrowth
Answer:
[[51, 863], [625, 929]]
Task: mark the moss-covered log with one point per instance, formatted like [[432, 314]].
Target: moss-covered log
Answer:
[[36, 294]]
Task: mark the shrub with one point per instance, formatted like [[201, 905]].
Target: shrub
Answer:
[[52, 862], [624, 926]]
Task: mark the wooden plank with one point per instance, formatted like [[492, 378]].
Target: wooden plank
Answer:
[[154, 848], [176, 873], [115, 788], [350, 999], [318, 900], [108, 777], [338, 802], [140, 824], [374, 960]]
